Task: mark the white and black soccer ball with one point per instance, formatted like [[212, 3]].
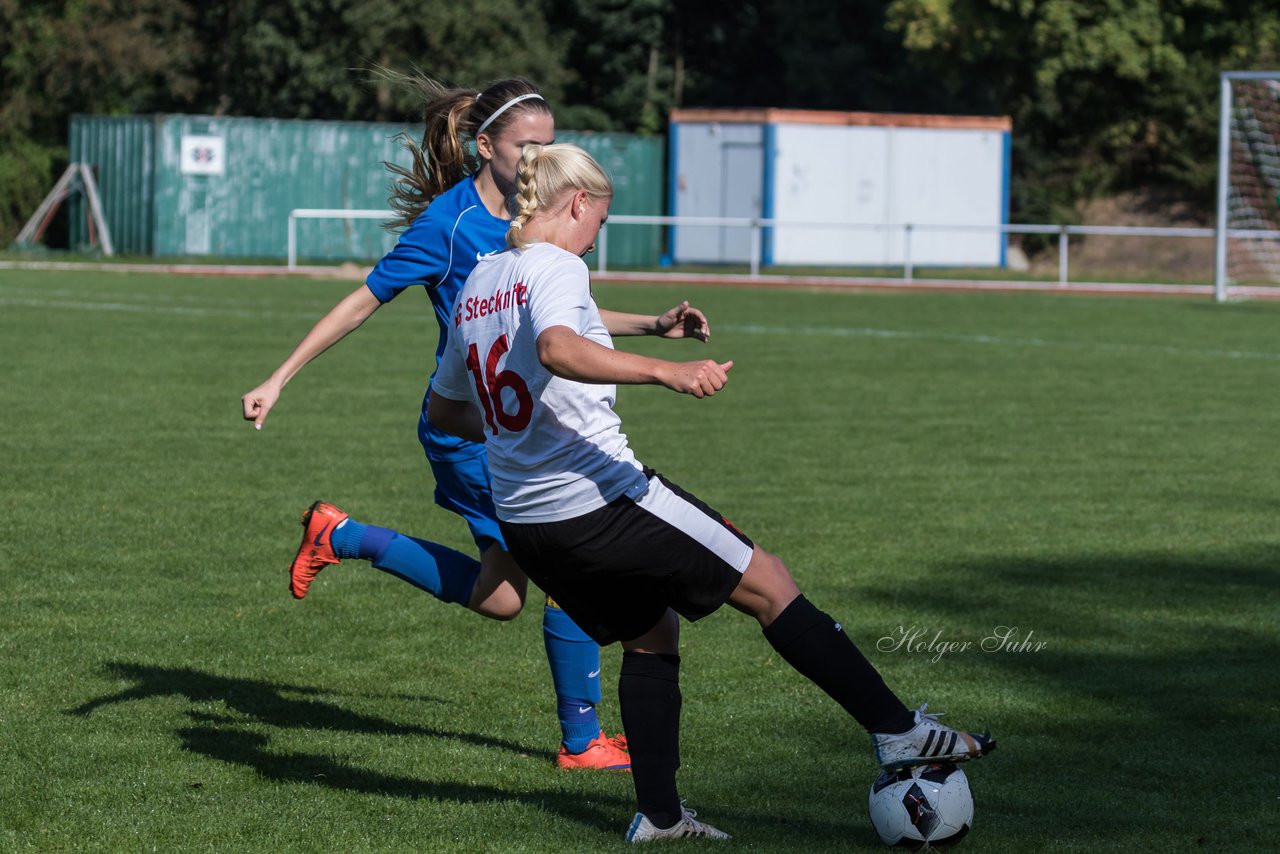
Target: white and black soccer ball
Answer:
[[929, 806]]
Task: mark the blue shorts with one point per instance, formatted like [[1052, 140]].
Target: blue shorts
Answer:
[[461, 469], [462, 487]]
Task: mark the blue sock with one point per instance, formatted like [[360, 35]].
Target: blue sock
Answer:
[[575, 671], [448, 575], [346, 538], [577, 727]]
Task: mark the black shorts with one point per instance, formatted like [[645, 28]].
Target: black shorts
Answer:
[[618, 569]]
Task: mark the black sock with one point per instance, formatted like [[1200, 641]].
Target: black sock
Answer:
[[816, 646], [649, 698]]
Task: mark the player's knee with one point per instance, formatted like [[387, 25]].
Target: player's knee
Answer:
[[498, 598], [502, 605], [776, 577], [766, 589], [506, 615]]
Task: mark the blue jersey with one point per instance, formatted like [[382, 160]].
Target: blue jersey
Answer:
[[438, 252]]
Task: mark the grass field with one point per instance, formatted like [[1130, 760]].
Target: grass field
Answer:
[[1101, 476]]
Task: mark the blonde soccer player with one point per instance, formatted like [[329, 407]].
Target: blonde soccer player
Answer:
[[530, 370]]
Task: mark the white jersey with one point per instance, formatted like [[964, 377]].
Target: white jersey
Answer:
[[555, 450]]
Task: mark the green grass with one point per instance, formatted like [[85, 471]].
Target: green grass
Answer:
[[1101, 474]]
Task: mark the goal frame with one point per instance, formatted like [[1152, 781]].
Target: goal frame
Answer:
[[1221, 281], [77, 177]]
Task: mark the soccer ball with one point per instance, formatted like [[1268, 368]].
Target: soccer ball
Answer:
[[929, 806]]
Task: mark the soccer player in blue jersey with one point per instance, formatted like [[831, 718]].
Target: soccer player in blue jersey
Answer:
[[452, 203]]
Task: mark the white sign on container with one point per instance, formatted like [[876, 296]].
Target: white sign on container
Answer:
[[203, 155]]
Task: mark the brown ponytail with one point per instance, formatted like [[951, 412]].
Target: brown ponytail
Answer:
[[451, 117]]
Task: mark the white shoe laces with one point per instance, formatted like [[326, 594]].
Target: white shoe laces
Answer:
[[921, 717], [699, 828]]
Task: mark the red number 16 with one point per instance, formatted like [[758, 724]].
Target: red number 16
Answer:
[[489, 386]]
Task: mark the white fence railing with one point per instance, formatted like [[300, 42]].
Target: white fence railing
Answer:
[[758, 225]]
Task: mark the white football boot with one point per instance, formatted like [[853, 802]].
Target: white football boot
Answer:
[[642, 830], [929, 742]]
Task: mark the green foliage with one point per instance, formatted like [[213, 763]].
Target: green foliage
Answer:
[[292, 59], [314, 58], [619, 61], [1098, 472], [92, 56], [803, 54], [280, 58], [25, 167], [1104, 94]]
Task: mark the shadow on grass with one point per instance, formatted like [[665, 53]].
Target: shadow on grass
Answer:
[[1157, 674], [226, 739], [239, 747], [229, 739], [268, 703]]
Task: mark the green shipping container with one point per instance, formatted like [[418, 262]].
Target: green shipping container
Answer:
[[217, 187], [122, 152]]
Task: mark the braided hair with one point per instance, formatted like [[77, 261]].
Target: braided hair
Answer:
[[545, 174]]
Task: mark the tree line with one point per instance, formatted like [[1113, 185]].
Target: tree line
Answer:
[[1104, 95]]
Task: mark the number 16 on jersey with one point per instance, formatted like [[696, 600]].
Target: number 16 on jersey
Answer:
[[490, 383]]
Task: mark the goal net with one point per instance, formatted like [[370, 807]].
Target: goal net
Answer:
[[1249, 180]]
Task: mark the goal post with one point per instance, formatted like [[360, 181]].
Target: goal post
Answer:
[[1248, 222], [77, 177], [291, 249]]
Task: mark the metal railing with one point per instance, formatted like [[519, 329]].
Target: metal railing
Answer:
[[757, 225], [909, 230]]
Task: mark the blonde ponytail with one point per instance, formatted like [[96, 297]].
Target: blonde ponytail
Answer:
[[525, 201]]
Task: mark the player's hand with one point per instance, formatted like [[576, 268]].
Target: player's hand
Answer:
[[683, 321], [259, 402], [700, 379]]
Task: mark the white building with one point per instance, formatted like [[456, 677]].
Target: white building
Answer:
[[878, 171]]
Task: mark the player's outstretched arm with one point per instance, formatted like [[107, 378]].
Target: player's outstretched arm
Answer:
[[681, 321], [567, 354], [342, 319]]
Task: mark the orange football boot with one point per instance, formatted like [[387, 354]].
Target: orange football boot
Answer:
[[316, 551], [602, 754]]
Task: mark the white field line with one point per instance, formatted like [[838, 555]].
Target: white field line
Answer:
[[238, 270], [36, 291], [144, 308], [747, 329], [995, 340]]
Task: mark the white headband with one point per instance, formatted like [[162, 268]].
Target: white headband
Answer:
[[517, 99]]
